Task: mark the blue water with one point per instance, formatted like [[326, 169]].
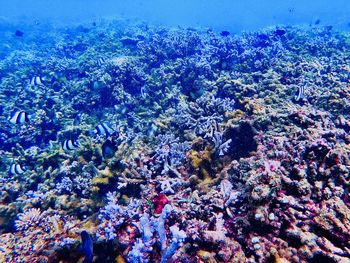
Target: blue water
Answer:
[[230, 15]]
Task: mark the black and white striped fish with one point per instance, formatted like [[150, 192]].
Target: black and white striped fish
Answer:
[[69, 145], [100, 62], [19, 117], [103, 129], [16, 168], [37, 81], [300, 93]]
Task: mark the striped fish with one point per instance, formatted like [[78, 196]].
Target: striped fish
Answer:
[[16, 168], [37, 81], [69, 145], [300, 93], [19, 117], [100, 62], [103, 129]]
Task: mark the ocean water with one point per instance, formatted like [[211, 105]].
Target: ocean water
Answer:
[[163, 131], [230, 15]]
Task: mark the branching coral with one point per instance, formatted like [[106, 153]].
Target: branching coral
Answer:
[[211, 156]]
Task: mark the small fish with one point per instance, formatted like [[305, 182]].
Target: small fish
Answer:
[[87, 247], [300, 93], [19, 33], [69, 145], [103, 129], [100, 62], [19, 117], [37, 81], [225, 33], [318, 21], [16, 168], [108, 149]]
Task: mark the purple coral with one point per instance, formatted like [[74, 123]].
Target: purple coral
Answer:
[[178, 237], [28, 219], [113, 215]]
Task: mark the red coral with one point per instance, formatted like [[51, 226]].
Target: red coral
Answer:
[[159, 201]]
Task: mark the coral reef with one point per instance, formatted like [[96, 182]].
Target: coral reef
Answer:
[[219, 148]]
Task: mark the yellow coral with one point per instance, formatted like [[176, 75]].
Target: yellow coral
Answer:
[[82, 160], [254, 106], [237, 114], [206, 256], [95, 189], [89, 225], [197, 158], [2, 257], [206, 177], [106, 173], [100, 180], [194, 157], [161, 124], [276, 257], [120, 259]]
